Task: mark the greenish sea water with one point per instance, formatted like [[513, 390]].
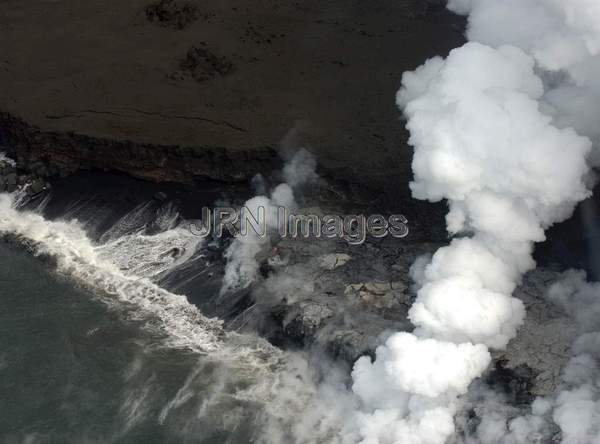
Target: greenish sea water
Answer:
[[73, 369]]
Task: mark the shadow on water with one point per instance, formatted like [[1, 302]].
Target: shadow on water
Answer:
[[575, 243]]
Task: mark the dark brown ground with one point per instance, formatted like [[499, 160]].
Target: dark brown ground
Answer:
[[237, 74]]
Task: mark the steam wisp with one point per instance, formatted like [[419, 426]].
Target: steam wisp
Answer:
[[242, 255]]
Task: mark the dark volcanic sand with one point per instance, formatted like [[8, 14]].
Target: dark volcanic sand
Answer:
[[238, 74]]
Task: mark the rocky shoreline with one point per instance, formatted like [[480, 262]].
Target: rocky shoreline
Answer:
[[32, 183], [326, 296]]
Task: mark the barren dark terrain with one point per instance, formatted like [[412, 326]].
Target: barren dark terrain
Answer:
[[179, 90]]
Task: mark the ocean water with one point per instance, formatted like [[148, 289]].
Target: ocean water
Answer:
[[93, 349]]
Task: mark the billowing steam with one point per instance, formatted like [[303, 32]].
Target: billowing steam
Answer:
[[242, 255], [563, 36], [501, 130], [576, 407]]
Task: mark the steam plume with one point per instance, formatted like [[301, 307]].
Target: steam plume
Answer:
[[243, 253], [576, 407], [492, 129]]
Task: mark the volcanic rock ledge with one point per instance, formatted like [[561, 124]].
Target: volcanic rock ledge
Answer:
[[65, 153]]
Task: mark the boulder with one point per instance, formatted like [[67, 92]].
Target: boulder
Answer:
[[37, 186], [304, 319], [334, 260]]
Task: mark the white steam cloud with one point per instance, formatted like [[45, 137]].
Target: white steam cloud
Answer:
[[494, 132], [243, 255], [575, 407]]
